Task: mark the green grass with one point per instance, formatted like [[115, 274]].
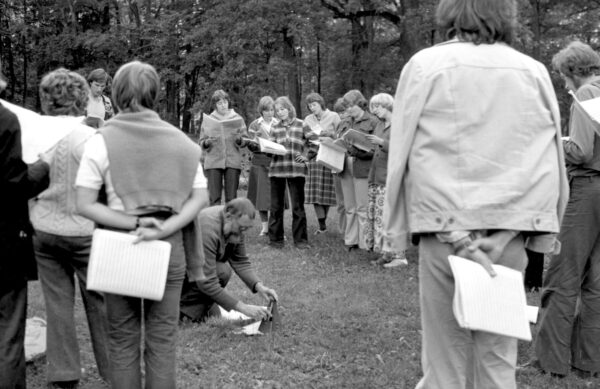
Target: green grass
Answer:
[[346, 324]]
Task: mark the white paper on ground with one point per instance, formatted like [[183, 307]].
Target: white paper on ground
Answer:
[[492, 304], [232, 315]]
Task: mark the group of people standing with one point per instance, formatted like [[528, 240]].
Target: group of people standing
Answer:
[[296, 178]]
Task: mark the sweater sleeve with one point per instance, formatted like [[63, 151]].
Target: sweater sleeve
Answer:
[[209, 284], [240, 263]]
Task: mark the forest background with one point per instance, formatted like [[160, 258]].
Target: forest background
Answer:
[[252, 48]]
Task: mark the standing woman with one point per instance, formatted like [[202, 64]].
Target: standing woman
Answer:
[[259, 188], [289, 169], [63, 239], [223, 155], [381, 106], [155, 186], [356, 171], [320, 189]]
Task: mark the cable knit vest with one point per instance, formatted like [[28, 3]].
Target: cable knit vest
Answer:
[[152, 163]]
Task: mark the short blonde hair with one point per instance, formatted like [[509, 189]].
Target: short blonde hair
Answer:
[[382, 99], [264, 104], [285, 102], [63, 92], [577, 59], [135, 86]]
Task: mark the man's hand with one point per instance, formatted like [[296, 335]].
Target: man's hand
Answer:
[[254, 311], [266, 293], [150, 228], [489, 249]]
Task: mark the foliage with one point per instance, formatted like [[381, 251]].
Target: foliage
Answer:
[[252, 48]]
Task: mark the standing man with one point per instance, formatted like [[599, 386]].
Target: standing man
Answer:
[[17, 261], [223, 241], [99, 108], [566, 338], [475, 168]]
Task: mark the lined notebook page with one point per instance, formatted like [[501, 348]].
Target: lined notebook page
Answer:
[[491, 304], [120, 267]]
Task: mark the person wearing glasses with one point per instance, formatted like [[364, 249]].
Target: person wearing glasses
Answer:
[[223, 228]]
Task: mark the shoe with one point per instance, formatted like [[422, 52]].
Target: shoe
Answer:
[[276, 244], [351, 247], [583, 374], [395, 263], [317, 232], [263, 233], [535, 365], [302, 245], [63, 384], [381, 261]]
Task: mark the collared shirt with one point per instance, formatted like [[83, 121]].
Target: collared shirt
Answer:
[[294, 136]]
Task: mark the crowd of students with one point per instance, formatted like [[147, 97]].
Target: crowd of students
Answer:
[[466, 159], [296, 177]]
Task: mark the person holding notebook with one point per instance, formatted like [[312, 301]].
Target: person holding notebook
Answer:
[[151, 174], [475, 168]]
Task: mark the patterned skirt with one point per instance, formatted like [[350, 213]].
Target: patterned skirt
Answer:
[[319, 188], [374, 236]]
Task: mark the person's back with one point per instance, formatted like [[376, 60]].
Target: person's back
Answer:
[[487, 112]]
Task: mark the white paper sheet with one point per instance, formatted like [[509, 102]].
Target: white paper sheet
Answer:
[[491, 304], [120, 267], [267, 146], [39, 133]]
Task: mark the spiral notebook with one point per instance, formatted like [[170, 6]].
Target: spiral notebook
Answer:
[[491, 304], [119, 266]]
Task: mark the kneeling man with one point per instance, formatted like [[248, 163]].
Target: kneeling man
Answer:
[[222, 232]]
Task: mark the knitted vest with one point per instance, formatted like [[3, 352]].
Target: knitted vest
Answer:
[[152, 163]]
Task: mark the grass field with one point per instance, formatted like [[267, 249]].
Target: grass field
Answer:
[[346, 324]]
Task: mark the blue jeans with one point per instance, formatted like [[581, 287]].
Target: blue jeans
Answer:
[[59, 259], [219, 178], [127, 316], [567, 337], [13, 309]]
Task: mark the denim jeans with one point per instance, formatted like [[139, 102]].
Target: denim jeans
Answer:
[[216, 177], [296, 188], [159, 320], [13, 309], [453, 357], [59, 260], [566, 337]]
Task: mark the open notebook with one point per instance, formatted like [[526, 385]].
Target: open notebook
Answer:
[[591, 107], [118, 266], [491, 304]]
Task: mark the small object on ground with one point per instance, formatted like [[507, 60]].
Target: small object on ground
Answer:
[[395, 263]]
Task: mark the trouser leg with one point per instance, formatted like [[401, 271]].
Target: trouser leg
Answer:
[[361, 195], [13, 311], [296, 187], [534, 269], [563, 281], [57, 279], [276, 212], [339, 195], [351, 231], [214, 178], [232, 182]]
